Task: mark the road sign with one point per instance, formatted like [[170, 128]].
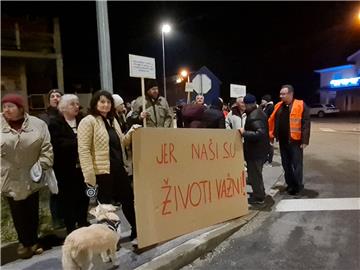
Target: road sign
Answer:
[[189, 87], [201, 84], [142, 67], [237, 90]]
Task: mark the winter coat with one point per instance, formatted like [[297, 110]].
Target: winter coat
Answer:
[[93, 146], [51, 112], [256, 138], [269, 108], [126, 151], [160, 113], [66, 157], [234, 120], [305, 124], [20, 150], [192, 115], [213, 118]]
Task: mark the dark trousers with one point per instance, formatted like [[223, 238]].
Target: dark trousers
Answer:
[[56, 210], [116, 187], [25, 215], [74, 201], [270, 156], [255, 178], [292, 162]]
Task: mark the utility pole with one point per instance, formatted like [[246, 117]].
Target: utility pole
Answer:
[[163, 51], [104, 46]]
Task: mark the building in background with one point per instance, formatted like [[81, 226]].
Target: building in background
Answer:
[[31, 58], [340, 85]]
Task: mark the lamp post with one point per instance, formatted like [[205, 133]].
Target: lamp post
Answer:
[[186, 74], [164, 30]]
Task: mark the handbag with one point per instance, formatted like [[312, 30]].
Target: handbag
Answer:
[[38, 175]]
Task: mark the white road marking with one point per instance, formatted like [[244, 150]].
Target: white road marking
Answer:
[[330, 204], [327, 129]]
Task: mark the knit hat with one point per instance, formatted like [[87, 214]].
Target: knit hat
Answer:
[[266, 98], [117, 100], [150, 83], [249, 99], [15, 99], [54, 91]]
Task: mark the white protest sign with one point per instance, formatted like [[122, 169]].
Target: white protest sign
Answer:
[[237, 90], [142, 67], [189, 87]]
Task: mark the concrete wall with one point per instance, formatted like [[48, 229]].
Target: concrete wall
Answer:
[[348, 100]]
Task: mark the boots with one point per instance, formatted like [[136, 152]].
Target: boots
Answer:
[[27, 252]]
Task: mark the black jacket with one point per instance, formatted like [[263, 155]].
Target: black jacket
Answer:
[[50, 113], [256, 136], [66, 157], [269, 108], [305, 126], [213, 118]]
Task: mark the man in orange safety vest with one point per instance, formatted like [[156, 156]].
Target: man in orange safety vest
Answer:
[[290, 125]]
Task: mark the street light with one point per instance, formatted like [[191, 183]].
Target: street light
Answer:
[[164, 30], [185, 74]]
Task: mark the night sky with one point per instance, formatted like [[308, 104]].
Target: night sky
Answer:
[[260, 44]]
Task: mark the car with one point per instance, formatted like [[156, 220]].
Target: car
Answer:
[[323, 109]]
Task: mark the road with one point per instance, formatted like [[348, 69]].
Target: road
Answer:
[[308, 234]]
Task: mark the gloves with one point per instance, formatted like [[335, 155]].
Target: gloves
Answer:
[[133, 128]]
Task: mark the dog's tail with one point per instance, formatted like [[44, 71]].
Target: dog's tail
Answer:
[[68, 255]]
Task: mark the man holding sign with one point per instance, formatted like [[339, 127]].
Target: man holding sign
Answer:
[[157, 111]]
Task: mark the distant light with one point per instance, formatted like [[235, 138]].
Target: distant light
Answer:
[[345, 82], [166, 28], [178, 80], [184, 73]]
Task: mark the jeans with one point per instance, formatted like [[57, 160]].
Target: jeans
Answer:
[[292, 162]]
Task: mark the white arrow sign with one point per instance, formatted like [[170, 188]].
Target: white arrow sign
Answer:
[[201, 84]]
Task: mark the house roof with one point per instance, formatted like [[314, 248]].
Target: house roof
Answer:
[[354, 57], [331, 69]]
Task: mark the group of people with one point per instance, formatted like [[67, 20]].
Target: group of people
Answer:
[[289, 123], [93, 153], [84, 152]]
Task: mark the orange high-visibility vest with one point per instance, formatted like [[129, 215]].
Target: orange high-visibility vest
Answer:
[[295, 119]]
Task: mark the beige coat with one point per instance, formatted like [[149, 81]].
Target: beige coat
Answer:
[[19, 152], [93, 146], [160, 113]]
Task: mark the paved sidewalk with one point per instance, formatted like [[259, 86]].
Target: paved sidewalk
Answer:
[[170, 255]]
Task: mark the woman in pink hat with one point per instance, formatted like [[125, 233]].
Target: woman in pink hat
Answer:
[[25, 141]]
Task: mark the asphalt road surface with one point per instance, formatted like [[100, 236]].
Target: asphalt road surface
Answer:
[[318, 230]]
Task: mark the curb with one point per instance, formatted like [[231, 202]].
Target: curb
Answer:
[[194, 248]]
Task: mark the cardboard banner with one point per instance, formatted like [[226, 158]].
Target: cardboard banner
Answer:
[[185, 180]]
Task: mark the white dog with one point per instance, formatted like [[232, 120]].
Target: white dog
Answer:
[[82, 244]]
